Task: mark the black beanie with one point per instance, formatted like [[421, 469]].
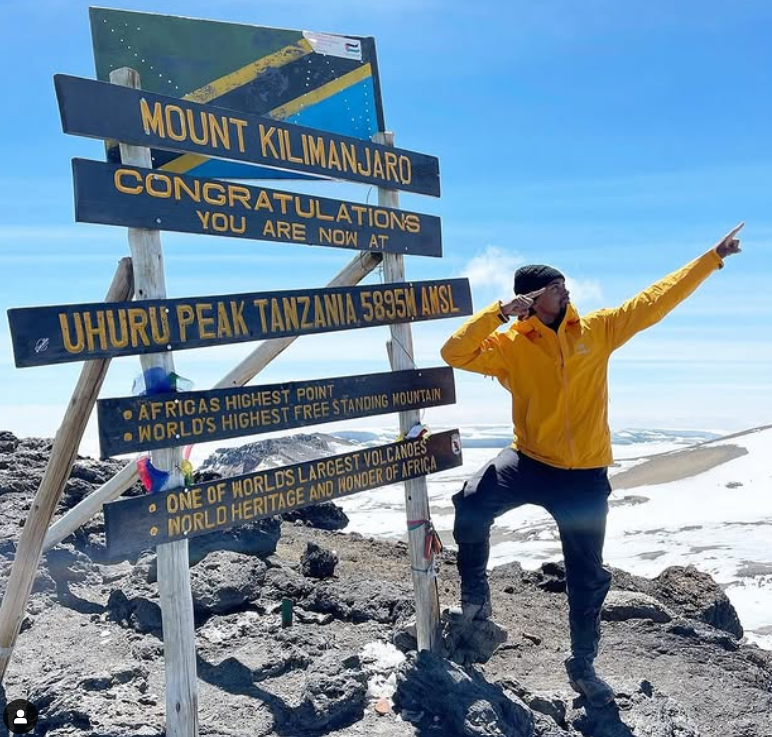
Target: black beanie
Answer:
[[534, 276]]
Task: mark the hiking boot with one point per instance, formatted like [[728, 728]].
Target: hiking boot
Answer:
[[474, 611], [475, 592], [585, 681]]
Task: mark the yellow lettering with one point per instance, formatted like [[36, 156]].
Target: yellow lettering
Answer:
[[240, 125], [219, 130], [138, 326], [153, 190], [218, 198], [152, 121], [238, 194], [204, 322], [69, 345], [263, 201], [185, 317], [181, 133], [391, 165], [266, 143], [223, 322], [121, 187], [203, 138]]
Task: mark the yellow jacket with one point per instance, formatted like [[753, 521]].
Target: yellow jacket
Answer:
[[558, 381]]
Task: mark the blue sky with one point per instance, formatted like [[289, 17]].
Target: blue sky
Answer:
[[616, 141]]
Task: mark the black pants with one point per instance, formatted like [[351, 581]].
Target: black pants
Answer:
[[576, 499]]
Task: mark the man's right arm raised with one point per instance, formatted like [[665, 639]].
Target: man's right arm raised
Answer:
[[476, 346]]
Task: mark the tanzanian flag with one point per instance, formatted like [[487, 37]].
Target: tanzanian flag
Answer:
[[318, 80]]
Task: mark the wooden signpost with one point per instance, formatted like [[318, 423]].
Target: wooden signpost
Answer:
[[134, 524], [162, 420], [65, 333], [143, 198], [212, 123], [100, 110], [240, 375]]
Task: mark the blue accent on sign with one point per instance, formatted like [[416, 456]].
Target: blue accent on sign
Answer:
[[219, 169], [335, 113]]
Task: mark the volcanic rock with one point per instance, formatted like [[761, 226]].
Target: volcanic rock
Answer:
[[467, 642], [318, 562], [225, 582], [463, 701], [91, 655], [623, 605], [334, 693]]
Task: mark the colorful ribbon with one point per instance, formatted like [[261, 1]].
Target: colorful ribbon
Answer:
[[155, 380], [432, 542], [153, 479]]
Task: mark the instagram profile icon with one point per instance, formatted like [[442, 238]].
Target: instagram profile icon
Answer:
[[20, 716]]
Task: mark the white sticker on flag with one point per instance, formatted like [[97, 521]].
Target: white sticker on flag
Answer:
[[331, 45]]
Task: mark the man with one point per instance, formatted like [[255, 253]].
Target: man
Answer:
[[554, 363]]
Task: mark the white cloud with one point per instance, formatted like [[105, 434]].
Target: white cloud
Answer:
[[584, 291], [492, 272], [493, 269]]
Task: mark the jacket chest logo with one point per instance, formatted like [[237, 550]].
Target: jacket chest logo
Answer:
[[581, 349]]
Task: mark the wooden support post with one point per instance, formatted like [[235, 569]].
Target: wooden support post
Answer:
[[400, 350], [351, 274], [63, 452], [173, 569]]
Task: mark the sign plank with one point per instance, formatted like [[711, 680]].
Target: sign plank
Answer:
[[142, 198], [100, 110], [82, 332], [146, 521], [129, 424], [320, 80]]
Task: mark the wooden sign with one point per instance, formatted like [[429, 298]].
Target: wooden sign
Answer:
[[101, 110], [143, 198], [129, 424], [48, 335], [319, 80], [146, 521]]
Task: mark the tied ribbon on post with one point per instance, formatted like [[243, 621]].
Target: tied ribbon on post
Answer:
[[417, 431], [154, 479], [155, 380], [186, 467], [432, 542]]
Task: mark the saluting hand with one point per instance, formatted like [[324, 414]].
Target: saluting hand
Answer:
[[729, 244], [520, 304]]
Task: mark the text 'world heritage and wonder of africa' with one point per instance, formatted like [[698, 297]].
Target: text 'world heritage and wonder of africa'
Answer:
[[154, 519]]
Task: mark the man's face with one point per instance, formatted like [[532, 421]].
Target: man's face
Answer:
[[554, 298]]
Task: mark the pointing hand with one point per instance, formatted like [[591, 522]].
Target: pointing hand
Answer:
[[729, 244]]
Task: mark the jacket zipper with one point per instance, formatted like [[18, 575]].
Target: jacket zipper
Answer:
[[564, 375]]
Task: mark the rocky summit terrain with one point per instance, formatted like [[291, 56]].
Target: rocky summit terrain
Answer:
[[90, 654]]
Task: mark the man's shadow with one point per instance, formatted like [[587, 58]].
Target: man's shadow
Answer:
[[233, 676]]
